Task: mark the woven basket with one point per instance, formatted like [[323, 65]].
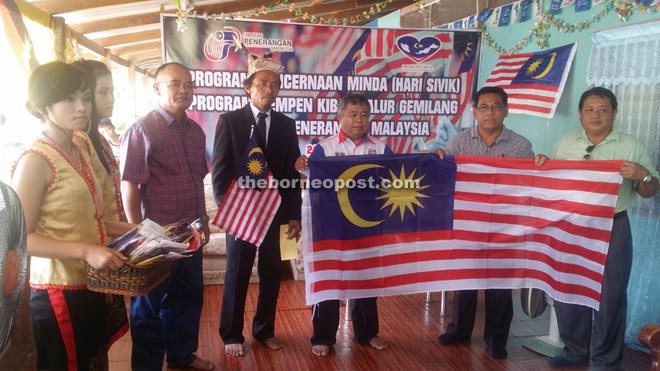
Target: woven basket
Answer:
[[129, 279], [134, 280]]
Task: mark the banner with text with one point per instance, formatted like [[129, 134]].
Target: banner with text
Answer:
[[419, 82]]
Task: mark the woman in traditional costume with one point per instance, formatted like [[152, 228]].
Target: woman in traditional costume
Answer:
[[67, 229]]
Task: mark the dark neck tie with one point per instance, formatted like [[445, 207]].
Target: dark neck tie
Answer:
[[261, 128]]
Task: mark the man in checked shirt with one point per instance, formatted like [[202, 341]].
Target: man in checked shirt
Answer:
[[163, 168]]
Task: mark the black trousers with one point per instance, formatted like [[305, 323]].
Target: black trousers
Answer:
[[240, 258], [598, 336], [325, 320], [499, 313]]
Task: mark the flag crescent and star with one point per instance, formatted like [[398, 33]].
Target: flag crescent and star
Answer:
[[401, 192], [547, 69], [345, 202]]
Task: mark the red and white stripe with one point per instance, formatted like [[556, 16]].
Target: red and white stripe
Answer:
[[333, 57], [379, 44], [465, 95], [515, 225], [246, 213]]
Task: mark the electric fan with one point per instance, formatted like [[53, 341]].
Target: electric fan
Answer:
[[13, 261]]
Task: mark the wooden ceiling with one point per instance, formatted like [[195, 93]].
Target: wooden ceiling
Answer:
[[130, 29]]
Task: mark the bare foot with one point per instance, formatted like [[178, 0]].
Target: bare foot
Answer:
[[201, 364], [236, 350], [378, 343], [320, 350], [273, 343]]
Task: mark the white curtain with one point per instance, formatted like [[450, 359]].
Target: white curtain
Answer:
[[627, 61]]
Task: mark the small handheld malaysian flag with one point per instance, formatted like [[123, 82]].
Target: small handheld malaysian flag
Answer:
[[252, 200]]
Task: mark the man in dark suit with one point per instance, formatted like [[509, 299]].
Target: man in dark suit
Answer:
[[276, 134]]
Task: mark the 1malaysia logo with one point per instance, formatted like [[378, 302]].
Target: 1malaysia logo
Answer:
[[418, 50]]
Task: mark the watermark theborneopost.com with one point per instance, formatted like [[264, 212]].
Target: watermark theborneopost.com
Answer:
[[336, 184]]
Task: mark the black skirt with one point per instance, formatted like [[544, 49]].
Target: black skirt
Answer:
[[70, 329]]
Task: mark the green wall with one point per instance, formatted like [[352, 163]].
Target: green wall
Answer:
[[392, 20], [544, 132]]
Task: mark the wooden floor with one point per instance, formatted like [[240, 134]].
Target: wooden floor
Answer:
[[408, 323]]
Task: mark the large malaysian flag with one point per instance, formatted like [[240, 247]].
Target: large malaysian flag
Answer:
[[470, 224]]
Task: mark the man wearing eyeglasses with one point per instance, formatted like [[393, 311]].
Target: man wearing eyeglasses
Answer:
[[163, 168], [490, 138], [589, 336]]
